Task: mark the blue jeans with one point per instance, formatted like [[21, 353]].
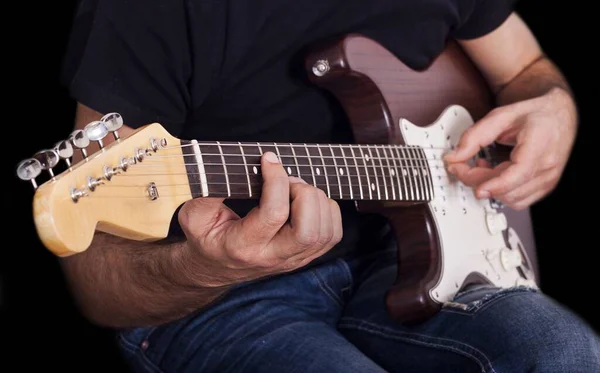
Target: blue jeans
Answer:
[[331, 318]]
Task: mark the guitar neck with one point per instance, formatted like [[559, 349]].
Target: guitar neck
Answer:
[[342, 171]]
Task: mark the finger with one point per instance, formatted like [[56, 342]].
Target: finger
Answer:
[[529, 200], [522, 170], [336, 218], [543, 182], [480, 135], [304, 226], [306, 256], [265, 220], [326, 232], [198, 216], [474, 176], [481, 162]]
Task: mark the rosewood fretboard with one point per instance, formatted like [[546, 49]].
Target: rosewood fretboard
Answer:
[[342, 171]]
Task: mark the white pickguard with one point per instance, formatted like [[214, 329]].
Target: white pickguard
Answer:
[[471, 231]]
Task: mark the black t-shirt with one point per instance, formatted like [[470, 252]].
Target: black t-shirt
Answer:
[[233, 69]]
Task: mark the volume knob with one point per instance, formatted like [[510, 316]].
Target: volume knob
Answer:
[[496, 222]]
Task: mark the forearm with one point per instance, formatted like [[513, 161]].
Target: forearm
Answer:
[[120, 283], [539, 78]]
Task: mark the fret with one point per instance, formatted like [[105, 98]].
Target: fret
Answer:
[[379, 159], [259, 149], [404, 164], [319, 168], [251, 163], [417, 151], [285, 153], [390, 172], [326, 165], [341, 172], [214, 169], [278, 154], [368, 183], [427, 174], [200, 165], [241, 147], [396, 171], [415, 172], [307, 158], [224, 169], [296, 160], [191, 167], [370, 160], [338, 171]]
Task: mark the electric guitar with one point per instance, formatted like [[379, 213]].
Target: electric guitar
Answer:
[[403, 122]]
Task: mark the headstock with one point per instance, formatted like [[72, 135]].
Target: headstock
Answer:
[[129, 188]]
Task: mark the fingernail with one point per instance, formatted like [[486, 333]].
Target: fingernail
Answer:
[[484, 194], [271, 157]]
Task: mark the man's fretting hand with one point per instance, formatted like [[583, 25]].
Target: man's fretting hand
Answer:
[[293, 224]]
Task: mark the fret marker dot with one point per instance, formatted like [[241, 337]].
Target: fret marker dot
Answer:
[[404, 172], [289, 170], [392, 172], [373, 186], [255, 170], [318, 171], [415, 172], [367, 157], [341, 171]]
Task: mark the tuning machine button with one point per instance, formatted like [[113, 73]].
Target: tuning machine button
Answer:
[[113, 122], [28, 170], [96, 131], [64, 149], [79, 140], [48, 159]]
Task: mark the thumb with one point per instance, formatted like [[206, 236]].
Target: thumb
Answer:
[[200, 215], [481, 134]]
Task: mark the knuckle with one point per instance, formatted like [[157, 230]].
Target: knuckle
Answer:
[[242, 257], [518, 206], [276, 216], [307, 237]]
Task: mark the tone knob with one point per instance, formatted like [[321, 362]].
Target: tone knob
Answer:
[[496, 222]]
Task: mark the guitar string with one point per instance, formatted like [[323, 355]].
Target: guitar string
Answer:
[[312, 157], [299, 145]]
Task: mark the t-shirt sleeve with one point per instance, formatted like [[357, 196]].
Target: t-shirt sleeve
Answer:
[[130, 57], [481, 17]]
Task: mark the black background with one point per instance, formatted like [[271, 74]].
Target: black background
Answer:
[[43, 328]]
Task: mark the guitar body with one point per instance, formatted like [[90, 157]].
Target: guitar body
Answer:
[[389, 103]]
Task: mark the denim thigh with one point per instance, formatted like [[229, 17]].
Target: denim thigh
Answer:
[[283, 324], [484, 329]]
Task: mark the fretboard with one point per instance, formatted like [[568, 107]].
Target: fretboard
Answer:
[[342, 171]]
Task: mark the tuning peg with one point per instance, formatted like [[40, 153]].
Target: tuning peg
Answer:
[[80, 140], [48, 159], [29, 169], [96, 131], [65, 151], [113, 122]]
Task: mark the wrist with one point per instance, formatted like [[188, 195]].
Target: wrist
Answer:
[[562, 97], [190, 271]]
